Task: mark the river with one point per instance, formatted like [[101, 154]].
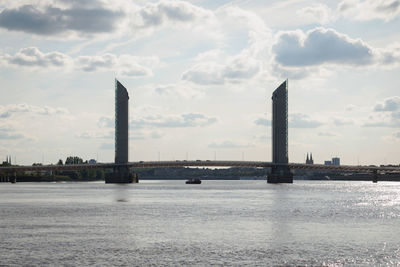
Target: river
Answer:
[[169, 223]]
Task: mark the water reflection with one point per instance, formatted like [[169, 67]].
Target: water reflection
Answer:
[[121, 192]]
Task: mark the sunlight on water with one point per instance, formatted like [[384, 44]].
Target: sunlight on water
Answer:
[[215, 223]]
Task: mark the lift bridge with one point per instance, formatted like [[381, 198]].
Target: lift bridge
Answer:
[[280, 168]]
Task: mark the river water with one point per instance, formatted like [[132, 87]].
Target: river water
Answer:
[[169, 223]]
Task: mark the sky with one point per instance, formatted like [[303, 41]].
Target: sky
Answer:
[[200, 75]]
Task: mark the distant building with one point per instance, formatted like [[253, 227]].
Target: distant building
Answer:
[[336, 161], [328, 162], [309, 160]]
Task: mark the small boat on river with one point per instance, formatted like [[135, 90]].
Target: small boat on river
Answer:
[[193, 181]]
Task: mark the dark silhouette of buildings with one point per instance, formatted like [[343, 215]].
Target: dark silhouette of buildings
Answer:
[[281, 172], [309, 160]]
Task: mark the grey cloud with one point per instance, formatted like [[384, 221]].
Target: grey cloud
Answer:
[[32, 57], [125, 65], [53, 20], [236, 70], [227, 144], [9, 134], [342, 121], [163, 121], [326, 134], [8, 110], [5, 115], [299, 120], [320, 46], [94, 63], [389, 104], [174, 121], [262, 122], [387, 119], [95, 135], [170, 11], [371, 9], [107, 146]]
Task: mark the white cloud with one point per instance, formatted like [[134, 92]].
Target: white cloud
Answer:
[[8, 110], [237, 69], [364, 10], [183, 89], [122, 65], [318, 13], [319, 46], [32, 57]]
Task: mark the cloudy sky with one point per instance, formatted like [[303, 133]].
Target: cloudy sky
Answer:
[[200, 75]]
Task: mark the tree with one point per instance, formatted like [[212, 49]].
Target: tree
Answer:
[[73, 160], [60, 162]]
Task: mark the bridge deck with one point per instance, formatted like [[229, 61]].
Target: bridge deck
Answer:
[[201, 163]]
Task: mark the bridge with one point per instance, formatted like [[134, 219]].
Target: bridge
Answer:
[[200, 163], [280, 166]]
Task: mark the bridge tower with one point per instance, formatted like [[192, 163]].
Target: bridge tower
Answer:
[[280, 173], [121, 170]]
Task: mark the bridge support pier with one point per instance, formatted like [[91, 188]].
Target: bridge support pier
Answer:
[[280, 174], [121, 175], [375, 176]]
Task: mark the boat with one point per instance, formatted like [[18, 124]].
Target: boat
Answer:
[[193, 181]]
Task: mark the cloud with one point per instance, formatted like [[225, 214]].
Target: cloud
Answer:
[[262, 122], [95, 135], [8, 133], [326, 134], [53, 20], [163, 121], [228, 144], [167, 12], [32, 57], [386, 114], [383, 119], [123, 65], [320, 46], [389, 104], [370, 9], [107, 146], [237, 69], [182, 89], [8, 110], [173, 121], [318, 13], [342, 121], [299, 120]]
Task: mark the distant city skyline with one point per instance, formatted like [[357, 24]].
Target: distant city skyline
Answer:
[[202, 74]]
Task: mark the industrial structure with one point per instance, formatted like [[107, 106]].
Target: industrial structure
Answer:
[[280, 172], [121, 170]]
